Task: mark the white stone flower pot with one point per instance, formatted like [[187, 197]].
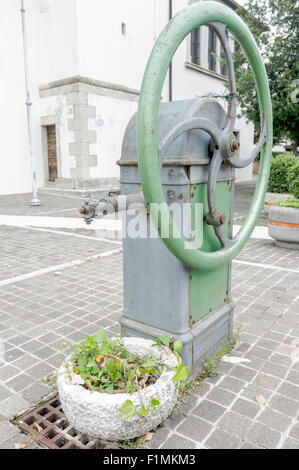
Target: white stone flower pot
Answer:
[[98, 414], [284, 226]]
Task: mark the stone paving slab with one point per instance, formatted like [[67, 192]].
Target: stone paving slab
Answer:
[[42, 316], [59, 206], [24, 250]]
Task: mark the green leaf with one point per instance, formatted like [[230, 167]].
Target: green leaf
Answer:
[[178, 346], [91, 363], [154, 403], [165, 340], [142, 411], [127, 410], [109, 388], [148, 371], [101, 336], [182, 373]]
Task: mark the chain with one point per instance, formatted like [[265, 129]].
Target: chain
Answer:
[[226, 97]]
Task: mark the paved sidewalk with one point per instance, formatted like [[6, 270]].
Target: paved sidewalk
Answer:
[[55, 289]]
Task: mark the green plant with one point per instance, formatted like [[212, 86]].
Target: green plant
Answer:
[[274, 24], [279, 179], [287, 203], [103, 364], [209, 366], [293, 177]]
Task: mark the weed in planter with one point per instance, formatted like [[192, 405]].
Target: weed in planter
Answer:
[[287, 203], [104, 365]]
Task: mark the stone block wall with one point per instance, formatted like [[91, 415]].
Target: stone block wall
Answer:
[[90, 117]]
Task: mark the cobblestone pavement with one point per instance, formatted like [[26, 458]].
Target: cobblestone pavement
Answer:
[[43, 310]]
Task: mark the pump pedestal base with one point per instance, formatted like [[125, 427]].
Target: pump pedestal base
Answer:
[[199, 343]]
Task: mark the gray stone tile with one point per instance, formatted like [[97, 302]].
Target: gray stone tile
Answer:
[[250, 446], [18, 340], [14, 406], [159, 436], [233, 384], [243, 373], [235, 424], [294, 432], [209, 410], [4, 393], [45, 353], [289, 390], [274, 420], [221, 439], [275, 369], [293, 377], [290, 443], [8, 371], [32, 346], [266, 381], [246, 408], [174, 419], [35, 392], [284, 405], [19, 383], [202, 389], [178, 442], [12, 354], [221, 396], [40, 370], [263, 436], [194, 428], [7, 431]]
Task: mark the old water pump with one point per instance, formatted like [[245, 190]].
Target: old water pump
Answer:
[[186, 152]]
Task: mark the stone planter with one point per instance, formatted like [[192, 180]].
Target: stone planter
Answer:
[[271, 197], [97, 414], [284, 226]]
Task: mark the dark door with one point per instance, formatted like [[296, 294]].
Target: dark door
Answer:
[[52, 152]]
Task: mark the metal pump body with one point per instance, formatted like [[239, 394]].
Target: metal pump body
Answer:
[[161, 294], [185, 152]]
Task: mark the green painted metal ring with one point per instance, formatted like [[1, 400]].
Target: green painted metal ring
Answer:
[[169, 40]]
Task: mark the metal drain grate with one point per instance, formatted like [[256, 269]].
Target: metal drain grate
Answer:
[[50, 428]]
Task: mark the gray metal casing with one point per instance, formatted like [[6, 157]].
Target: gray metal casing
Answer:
[[156, 283]]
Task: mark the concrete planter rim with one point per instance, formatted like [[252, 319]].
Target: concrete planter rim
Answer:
[[105, 419], [283, 227]]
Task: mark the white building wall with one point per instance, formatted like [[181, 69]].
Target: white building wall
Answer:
[[83, 37], [52, 54], [104, 52], [110, 124]]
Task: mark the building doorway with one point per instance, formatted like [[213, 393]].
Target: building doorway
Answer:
[[52, 152]]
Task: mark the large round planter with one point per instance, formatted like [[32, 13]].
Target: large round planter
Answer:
[[98, 414], [271, 197], [284, 226]]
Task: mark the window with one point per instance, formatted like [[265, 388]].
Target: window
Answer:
[[195, 46], [223, 64], [212, 50]]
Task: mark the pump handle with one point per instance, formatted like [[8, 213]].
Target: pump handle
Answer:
[[223, 20]]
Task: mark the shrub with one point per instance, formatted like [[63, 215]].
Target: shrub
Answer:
[[287, 203], [293, 177], [279, 179]]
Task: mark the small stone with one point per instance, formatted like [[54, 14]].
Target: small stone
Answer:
[[261, 399], [57, 273], [21, 445]]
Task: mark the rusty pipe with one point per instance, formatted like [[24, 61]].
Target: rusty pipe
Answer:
[[110, 205]]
